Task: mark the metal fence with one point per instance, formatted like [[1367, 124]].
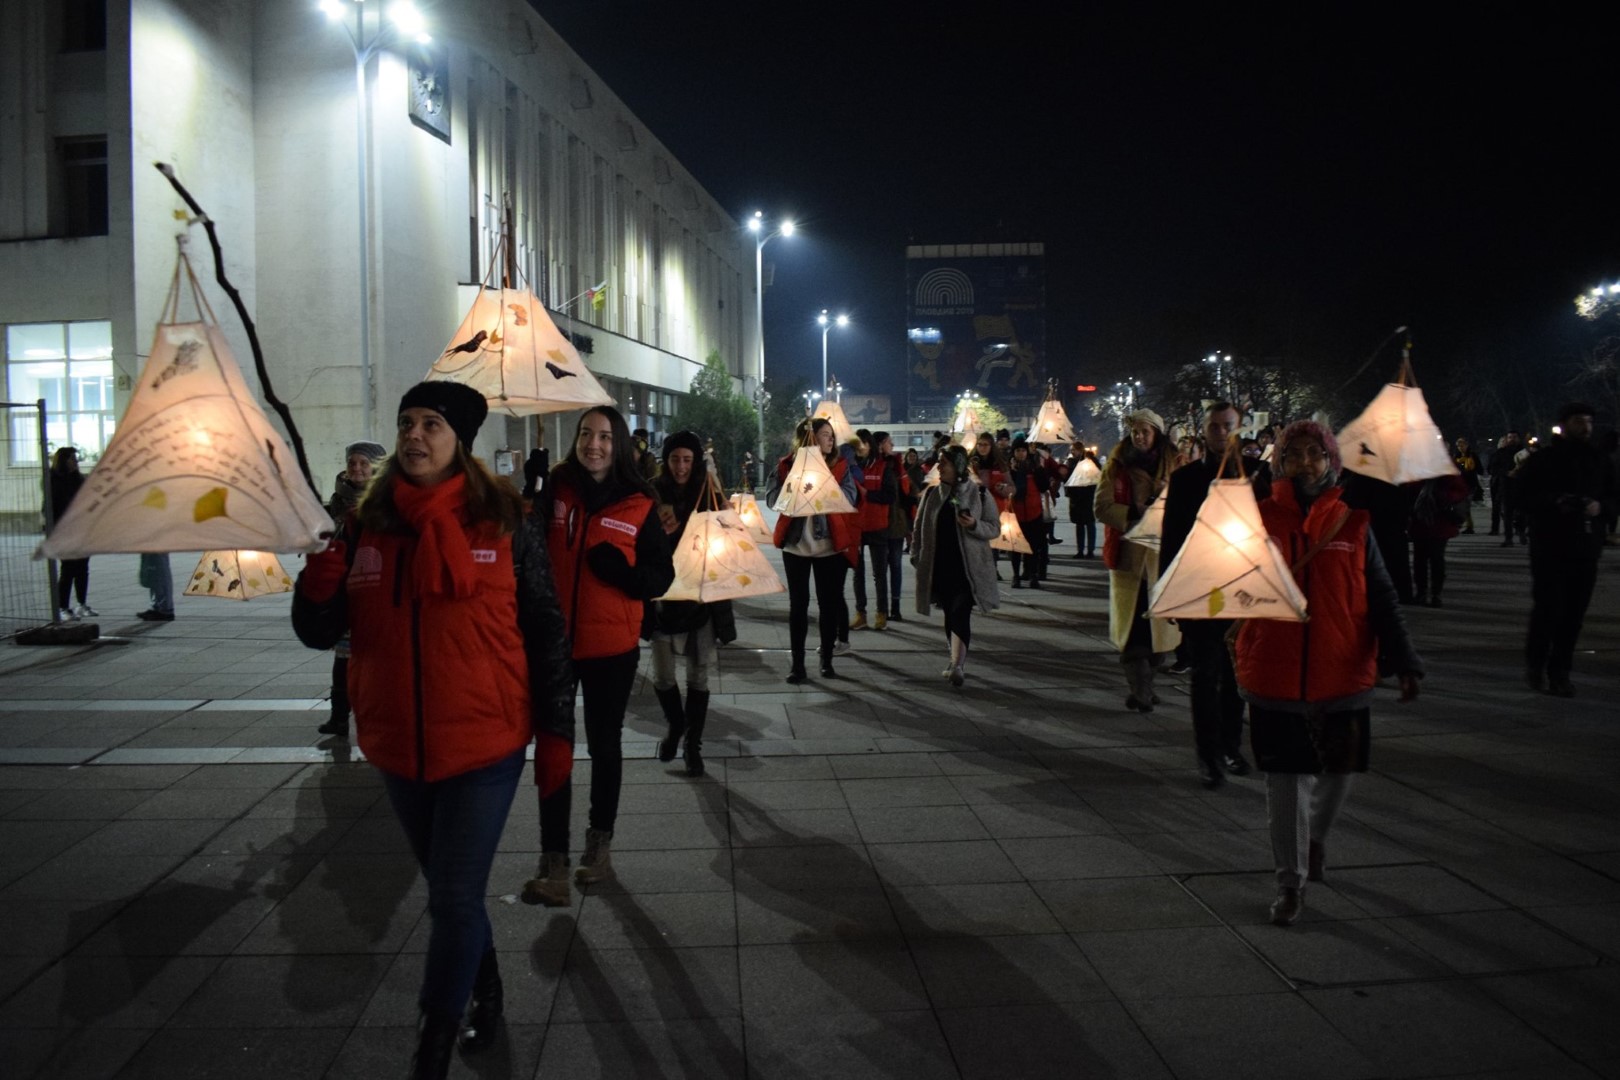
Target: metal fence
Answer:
[[25, 585]]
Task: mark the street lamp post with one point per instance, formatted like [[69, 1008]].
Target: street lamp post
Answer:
[[403, 21], [826, 323], [762, 236], [1219, 360], [810, 399]]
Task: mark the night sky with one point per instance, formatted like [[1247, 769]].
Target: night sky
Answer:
[[1288, 189]]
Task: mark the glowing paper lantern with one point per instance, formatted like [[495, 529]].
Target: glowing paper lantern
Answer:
[[931, 477], [1148, 531], [1229, 568], [1395, 440], [834, 413], [509, 350], [194, 465], [749, 514], [1085, 474], [238, 575], [1052, 425], [1011, 537], [810, 488], [716, 559]]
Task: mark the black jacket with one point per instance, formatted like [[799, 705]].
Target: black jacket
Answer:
[[1554, 485]]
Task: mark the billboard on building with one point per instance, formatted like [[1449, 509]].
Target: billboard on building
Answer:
[[976, 320], [864, 410]]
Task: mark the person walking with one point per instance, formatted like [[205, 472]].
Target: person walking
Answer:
[[880, 492], [916, 477], [73, 575], [898, 532], [611, 556], [1567, 488], [1217, 708], [1500, 469], [950, 553], [1029, 481], [822, 545], [685, 627], [1467, 463], [439, 555], [360, 460], [1137, 472], [1439, 509], [157, 578], [1082, 502], [1309, 685]]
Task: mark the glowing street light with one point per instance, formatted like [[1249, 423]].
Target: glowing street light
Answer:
[[1218, 360], [763, 234], [810, 399], [827, 323]]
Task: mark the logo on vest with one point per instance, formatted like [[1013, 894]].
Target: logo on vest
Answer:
[[619, 526], [1339, 545], [483, 555], [367, 569]]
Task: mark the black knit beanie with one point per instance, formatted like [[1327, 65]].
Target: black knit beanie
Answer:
[[683, 440], [462, 407]]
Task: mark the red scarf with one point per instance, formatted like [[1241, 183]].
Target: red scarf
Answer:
[[443, 562]]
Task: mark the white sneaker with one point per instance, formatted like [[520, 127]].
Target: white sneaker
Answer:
[[86, 611], [843, 648], [67, 615]]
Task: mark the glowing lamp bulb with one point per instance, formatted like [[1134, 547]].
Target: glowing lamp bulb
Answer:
[[1233, 532]]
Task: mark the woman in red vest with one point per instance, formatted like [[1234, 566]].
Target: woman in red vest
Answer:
[[458, 658], [611, 556], [1028, 480], [1309, 684], [823, 545]]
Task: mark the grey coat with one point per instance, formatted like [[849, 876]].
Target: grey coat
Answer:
[[976, 554]]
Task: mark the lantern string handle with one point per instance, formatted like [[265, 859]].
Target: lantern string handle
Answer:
[[247, 325], [1368, 362], [1406, 376], [1233, 453]]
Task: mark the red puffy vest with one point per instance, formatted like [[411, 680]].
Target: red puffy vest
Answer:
[[1335, 653], [602, 620], [843, 529], [874, 515]]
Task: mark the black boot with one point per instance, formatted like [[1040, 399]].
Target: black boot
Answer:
[[435, 1042], [671, 701], [797, 674], [488, 1003], [697, 712]]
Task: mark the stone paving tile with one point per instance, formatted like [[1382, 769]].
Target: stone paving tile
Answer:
[[1596, 926], [973, 910], [1050, 1042], [1534, 881], [900, 791], [648, 984], [753, 827], [1245, 899], [1492, 942], [769, 916], [822, 978], [1176, 963], [1125, 903], [658, 921], [1343, 951], [1407, 890], [1053, 858], [644, 1048], [1033, 969], [91, 991], [942, 863], [371, 1052], [849, 1046], [284, 992], [248, 1052], [1573, 1010], [1280, 1036], [79, 1055]]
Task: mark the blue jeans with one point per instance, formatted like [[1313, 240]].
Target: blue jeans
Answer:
[[453, 827]]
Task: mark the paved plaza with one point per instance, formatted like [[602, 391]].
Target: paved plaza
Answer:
[[879, 877]]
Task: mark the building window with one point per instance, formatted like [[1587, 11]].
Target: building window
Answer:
[[82, 169], [70, 366], [84, 25]]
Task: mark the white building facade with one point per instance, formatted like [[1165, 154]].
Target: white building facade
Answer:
[[254, 104]]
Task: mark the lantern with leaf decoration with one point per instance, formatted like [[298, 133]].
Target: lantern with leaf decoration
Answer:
[[238, 575], [810, 487], [1229, 567], [749, 513], [1149, 530], [1011, 537], [832, 412], [1394, 439], [717, 559]]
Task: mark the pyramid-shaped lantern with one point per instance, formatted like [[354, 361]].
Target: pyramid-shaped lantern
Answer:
[[833, 412], [1084, 474], [194, 464], [717, 559], [967, 428], [753, 519], [1148, 531], [810, 489], [238, 575], [508, 349], [1052, 425], [1228, 568], [1011, 537], [1395, 439]]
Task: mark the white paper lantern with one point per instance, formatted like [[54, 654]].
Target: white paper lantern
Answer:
[[753, 519], [1395, 440], [238, 575], [716, 559], [833, 412], [1149, 529], [931, 477], [508, 349], [1011, 537], [1229, 568], [194, 465], [1085, 474], [1052, 425], [810, 488]]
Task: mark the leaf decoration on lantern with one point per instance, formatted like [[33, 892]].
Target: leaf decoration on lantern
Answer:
[[156, 499], [1217, 601], [209, 505], [238, 575]]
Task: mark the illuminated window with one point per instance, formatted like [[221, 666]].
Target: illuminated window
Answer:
[[69, 366]]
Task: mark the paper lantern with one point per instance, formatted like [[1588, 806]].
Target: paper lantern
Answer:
[[1149, 530], [1052, 425], [716, 559], [1085, 474], [748, 512], [810, 488], [1011, 537], [967, 427], [931, 477], [193, 466], [834, 413], [1229, 568], [1395, 440], [509, 350], [238, 575]]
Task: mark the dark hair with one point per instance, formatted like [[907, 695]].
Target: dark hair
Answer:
[[491, 499], [807, 435], [64, 456], [625, 472], [911, 452], [1222, 406]]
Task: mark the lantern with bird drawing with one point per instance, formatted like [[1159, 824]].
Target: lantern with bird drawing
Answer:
[[1052, 425], [717, 559], [238, 575], [1229, 568], [1011, 537], [1395, 439]]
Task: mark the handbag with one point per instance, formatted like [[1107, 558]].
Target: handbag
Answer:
[[1048, 513]]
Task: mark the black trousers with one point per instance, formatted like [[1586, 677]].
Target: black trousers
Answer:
[[1428, 567], [1217, 708], [605, 683], [72, 574], [829, 572], [1561, 580], [1035, 533]]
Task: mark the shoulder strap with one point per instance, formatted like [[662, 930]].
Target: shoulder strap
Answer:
[[1322, 541]]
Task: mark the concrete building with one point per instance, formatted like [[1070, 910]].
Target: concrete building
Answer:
[[254, 103]]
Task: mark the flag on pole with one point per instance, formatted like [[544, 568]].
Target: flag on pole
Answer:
[[597, 295]]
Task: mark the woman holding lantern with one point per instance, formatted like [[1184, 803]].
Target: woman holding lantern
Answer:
[[950, 551], [1137, 471], [437, 556], [824, 546], [1309, 684]]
